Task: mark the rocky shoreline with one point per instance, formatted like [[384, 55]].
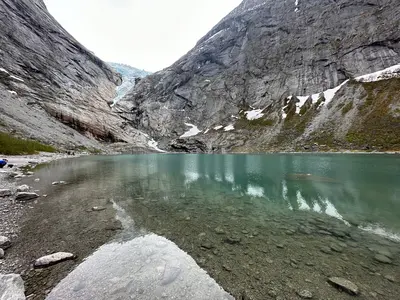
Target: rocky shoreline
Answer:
[[13, 206]]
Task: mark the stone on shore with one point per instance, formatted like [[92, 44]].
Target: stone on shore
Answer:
[[12, 287], [5, 193], [344, 285], [1, 253], [23, 188], [23, 196], [4, 243], [52, 259], [305, 294]]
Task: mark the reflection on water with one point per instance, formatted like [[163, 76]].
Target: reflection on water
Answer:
[[249, 220], [360, 189]]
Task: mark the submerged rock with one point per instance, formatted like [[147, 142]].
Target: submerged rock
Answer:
[[5, 193], [98, 208], [23, 188], [305, 294], [345, 285], [12, 287], [23, 196], [382, 259], [52, 259], [5, 242]]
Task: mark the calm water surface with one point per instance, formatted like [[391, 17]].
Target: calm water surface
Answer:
[[258, 224]]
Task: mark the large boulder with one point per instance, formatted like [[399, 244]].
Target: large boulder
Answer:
[[12, 287]]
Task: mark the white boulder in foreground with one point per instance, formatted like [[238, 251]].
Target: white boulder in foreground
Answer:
[[147, 268], [12, 287], [23, 196], [52, 259]]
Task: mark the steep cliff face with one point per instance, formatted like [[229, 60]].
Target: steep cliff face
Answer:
[[243, 72], [51, 87]]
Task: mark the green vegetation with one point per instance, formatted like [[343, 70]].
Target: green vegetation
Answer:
[[10, 145], [347, 108], [378, 127], [243, 123]]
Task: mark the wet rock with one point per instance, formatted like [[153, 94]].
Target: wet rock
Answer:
[[1, 253], [280, 246], [23, 188], [345, 285], [52, 259], [98, 208], [326, 250], [5, 242], [12, 287], [207, 245], [5, 193], [390, 278], [219, 230], [55, 183], [233, 240], [305, 294], [26, 196], [336, 247], [382, 259]]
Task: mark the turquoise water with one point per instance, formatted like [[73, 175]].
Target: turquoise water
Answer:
[[272, 224], [360, 189]]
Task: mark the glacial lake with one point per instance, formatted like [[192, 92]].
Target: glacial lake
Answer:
[[262, 226]]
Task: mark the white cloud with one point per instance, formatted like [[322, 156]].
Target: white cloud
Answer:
[[147, 34]]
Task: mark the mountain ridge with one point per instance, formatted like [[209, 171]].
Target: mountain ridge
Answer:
[[259, 55]]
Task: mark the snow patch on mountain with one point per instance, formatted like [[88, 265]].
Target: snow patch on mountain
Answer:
[[191, 132], [391, 72]]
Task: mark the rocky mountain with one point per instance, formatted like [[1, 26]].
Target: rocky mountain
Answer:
[[52, 88], [281, 75], [130, 76]]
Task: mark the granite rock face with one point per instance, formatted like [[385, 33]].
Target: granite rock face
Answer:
[[52, 88], [260, 54]]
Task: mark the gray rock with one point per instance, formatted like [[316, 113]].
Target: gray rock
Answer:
[[345, 285], [37, 180], [239, 63], [1, 253], [305, 294], [335, 247], [23, 196], [233, 239], [12, 287], [52, 259], [98, 208], [326, 250], [23, 188], [390, 278], [4, 242], [5, 193], [382, 259], [56, 83]]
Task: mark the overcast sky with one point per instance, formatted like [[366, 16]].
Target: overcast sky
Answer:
[[146, 34]]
